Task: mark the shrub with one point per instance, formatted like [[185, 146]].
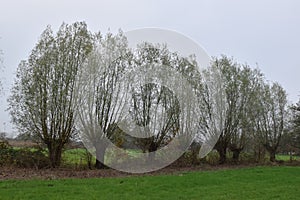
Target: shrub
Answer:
[[247, 157], [31, 158], [188, 159], [7, 153], [23, 157], [213, 158]]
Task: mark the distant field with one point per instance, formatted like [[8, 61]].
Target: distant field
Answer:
[[250, 183], [286, 157], [78, 157]]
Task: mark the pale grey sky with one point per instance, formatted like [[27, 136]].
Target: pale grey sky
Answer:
[[262, 32]]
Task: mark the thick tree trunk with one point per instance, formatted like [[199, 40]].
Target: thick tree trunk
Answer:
[[99, 165], [152, 149], [236, 155], [100, 154], [272, 152], [272, 156], [55, 153], [221, 147], [222, 153], [236, 151]]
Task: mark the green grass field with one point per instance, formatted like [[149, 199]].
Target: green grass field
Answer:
[[248, 183], [286, 157]]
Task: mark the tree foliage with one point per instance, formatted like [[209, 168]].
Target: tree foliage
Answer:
[[225, 98], [100, 93], [158, 107], [240, 106], [78, 81], [271, 117], [42, 99]]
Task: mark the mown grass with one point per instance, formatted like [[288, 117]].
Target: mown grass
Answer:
[[249, 183]]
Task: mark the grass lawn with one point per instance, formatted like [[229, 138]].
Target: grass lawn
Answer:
[[249, 183]]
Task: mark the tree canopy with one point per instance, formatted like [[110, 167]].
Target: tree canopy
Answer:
[[77, 81], [42, 99]]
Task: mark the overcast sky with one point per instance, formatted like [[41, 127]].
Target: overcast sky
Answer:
[[263, 33]]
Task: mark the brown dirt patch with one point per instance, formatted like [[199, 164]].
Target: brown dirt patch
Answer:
[[62, 173]]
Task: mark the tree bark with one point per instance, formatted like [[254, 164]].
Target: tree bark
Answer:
[[222, 153], [99, 165], [236, 155], [272, 156], [272, 152], [236, 151], [55, 153], [100, 154], [152, 149]]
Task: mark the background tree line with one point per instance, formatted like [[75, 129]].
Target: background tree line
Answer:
[[235, 101]]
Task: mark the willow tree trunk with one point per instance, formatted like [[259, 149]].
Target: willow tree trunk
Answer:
[[221, 148], [152, 149], [100, 155], [222, 153], [272, 155], [54, 153], [236, 154]]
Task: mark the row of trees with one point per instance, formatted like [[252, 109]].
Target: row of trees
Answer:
[[242, 107], [76, 80]]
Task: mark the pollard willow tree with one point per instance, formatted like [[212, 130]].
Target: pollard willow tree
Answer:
[[271, 116], [250, 81], [155, 105], [220, 100], [229, 89], [100, 93], [42, 98]]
